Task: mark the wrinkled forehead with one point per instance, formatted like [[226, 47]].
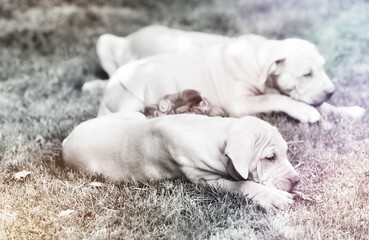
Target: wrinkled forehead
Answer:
[[304, 59], [312, 57], [267, 135], [302, 49], [280, 142], [275, 141]]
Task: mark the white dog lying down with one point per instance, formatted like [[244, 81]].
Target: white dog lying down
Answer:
[[234, 76], [244, 76], [246, 155]]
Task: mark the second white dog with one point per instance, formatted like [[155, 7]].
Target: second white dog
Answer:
[[245, 155], [243, 76]]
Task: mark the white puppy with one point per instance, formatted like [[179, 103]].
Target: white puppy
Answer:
[[245, 155], [243, 76], [116, 51]]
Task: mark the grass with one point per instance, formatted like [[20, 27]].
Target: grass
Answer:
[[47, 53]]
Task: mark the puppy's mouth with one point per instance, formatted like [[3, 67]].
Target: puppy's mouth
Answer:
[[312, 101], [317, 104], [319, 100], [284, 185]]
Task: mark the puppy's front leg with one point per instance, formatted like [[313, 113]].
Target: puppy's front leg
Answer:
[[267, 197], [250, 105]]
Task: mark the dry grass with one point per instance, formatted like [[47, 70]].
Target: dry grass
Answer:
[[47, 53]]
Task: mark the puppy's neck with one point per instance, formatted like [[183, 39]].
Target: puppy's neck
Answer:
[[271, 85]]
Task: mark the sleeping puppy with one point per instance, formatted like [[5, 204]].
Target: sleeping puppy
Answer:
[[292, 67], [245, 76], [245, 155]]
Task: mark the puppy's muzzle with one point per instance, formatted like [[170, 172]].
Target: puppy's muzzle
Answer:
[[287, 184], [294, 181], [327, 95]]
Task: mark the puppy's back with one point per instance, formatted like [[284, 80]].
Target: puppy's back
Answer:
[[95, 145]]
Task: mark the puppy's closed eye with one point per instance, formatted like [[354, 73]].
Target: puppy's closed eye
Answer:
[[308, 74], [270, 157]]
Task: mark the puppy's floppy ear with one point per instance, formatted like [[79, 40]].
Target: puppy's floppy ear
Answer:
[[274, 62], [240, 150], [276, 68]]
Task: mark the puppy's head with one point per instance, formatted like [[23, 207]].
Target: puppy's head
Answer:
[[299, 72], [258, 152]]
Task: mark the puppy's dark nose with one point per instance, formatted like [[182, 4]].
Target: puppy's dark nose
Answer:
[[294, 181], [329, 95]]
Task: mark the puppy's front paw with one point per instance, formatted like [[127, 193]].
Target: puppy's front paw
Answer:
[[274, 199], [313, 115], [305, 113]]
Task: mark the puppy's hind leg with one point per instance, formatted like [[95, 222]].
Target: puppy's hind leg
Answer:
[[94, 86], [118, 99]]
